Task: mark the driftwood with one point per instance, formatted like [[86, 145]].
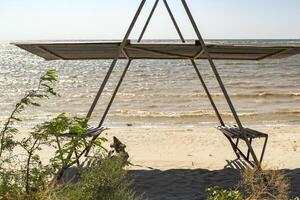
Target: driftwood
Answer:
[[118, 150]]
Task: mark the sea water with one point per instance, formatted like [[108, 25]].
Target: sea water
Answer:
[[157, 92]]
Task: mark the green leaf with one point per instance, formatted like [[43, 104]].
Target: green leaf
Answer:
[[16, 118]]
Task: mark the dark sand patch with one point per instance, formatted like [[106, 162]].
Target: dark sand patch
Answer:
[[190, 184]]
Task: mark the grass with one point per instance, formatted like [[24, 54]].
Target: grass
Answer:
[[104, 180], [265, 184], [255, 184]]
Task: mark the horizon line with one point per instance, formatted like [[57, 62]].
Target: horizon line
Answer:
[[175, 39]]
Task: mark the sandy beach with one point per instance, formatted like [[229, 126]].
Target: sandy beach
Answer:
[[180, 163], [161, 94]]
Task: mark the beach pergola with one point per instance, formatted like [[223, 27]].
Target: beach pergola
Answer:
[[128, 50]]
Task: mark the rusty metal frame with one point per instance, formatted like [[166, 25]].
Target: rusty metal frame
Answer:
[[202, 51]]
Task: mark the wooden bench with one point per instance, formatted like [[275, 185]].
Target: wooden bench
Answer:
[[235, 133], [91, 132]]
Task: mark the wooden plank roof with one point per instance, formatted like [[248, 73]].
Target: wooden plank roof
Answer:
[[108, 50]]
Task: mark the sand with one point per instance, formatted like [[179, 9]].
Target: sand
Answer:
[[179, 163]]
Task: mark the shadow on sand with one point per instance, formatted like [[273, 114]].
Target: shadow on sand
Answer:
[[190, 184]]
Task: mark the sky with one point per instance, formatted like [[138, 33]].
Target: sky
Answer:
[[109, 19]]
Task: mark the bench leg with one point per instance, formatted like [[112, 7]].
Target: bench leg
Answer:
[[236, 144], [244, 156], [264, 149], [238, 151], [248, 153]]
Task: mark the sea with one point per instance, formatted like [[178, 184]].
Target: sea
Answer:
[[157, 93]]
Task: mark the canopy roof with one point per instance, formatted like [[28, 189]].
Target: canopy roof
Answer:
[[108, 50]]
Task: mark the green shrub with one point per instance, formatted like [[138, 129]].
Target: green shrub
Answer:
[[216, 193], [21, 174], [24, 176], [105, 179]]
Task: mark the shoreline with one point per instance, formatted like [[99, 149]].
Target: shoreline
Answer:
[[197, 147], [190, 148], [139, 125]]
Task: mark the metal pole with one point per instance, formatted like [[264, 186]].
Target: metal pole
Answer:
[[148, 21], [115, 93], [88, 148], [264, 149], [103, 84], [219, 80], [113, 64], [174, 21], [208, 93]]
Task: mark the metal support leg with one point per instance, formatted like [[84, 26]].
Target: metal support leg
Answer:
[[120, 50], [148, 20], [174, 21], [103, 84], [115, 93], [109, 105], [208, 93], [220, 81], [172, 18], [264, 149], [233, 145]]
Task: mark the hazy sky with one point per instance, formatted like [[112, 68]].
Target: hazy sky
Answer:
[[109, 19]]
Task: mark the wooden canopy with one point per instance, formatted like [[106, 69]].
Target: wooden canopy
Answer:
[[108, 50]]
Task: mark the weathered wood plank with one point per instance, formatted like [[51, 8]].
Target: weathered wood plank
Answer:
[[107, 50]]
